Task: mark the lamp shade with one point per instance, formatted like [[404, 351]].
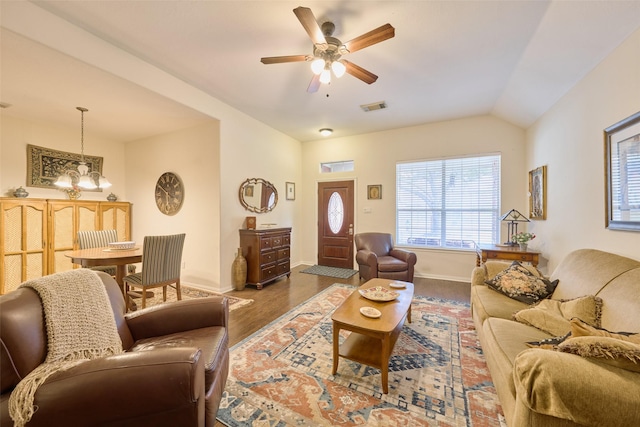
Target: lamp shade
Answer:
[[338, 68], [317, 65], [64, 181], [325, 76], [515, 216]]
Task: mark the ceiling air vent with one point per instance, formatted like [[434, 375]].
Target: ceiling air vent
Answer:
[[375, 106]]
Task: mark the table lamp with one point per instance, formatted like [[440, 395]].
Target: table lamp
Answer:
[[513, 217]]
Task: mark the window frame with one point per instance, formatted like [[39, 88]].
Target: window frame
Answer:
[[448, 236]]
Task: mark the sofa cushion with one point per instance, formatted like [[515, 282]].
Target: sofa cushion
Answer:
[[554, 317], [612, 351], [621, 302], [389, 263], [520, 283], [587, 271], [502, 340], [488, 303], [213, 342]]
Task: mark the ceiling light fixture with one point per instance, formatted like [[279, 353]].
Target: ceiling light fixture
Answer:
[[82, 177], [327, 56], [326, 131]]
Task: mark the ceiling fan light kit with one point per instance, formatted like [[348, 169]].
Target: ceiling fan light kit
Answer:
[[328, 50]]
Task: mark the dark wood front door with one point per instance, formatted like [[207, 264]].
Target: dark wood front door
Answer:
[[335, 224]]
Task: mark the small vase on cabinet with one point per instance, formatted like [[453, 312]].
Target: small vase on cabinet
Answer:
[[523, 246], [239, 271]]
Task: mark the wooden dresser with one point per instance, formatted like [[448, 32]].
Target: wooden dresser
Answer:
[[267, 252]]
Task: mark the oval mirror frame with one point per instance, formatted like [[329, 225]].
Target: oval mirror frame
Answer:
[[258, 195]]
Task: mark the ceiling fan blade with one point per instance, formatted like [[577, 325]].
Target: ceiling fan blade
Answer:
[[378, 35], [281, 59], [308, 21], [359, 72], [314, 85]]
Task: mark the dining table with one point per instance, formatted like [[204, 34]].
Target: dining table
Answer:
[[120, 258]]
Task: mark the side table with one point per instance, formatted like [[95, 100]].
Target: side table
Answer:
[[504, 252]]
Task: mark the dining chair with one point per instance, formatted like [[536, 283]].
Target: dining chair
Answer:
[[161, 262], [99, 239]]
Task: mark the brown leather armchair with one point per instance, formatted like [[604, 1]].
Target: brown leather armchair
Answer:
[[172, 373], [377, 257]]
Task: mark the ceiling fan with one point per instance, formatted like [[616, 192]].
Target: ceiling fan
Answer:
[[328, 50]]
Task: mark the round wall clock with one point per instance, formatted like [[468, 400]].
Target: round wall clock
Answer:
[[169, 193]]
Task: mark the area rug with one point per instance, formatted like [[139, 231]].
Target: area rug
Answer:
[[191, 293], [321, 270], [281, 375]]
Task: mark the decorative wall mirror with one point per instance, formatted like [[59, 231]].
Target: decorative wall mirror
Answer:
[[258, 195]]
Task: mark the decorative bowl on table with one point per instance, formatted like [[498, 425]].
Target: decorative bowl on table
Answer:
[[379, 293], [120, 246]]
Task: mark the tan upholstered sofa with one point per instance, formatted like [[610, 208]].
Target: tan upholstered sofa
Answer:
[[542, 387]]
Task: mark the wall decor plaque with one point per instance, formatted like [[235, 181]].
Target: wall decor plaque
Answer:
[[44, 165]]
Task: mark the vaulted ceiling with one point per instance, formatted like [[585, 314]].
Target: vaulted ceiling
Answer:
[[448, 59]]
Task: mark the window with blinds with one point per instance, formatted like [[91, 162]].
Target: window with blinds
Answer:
[[448, 203]]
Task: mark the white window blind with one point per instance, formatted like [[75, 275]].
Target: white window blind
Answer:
[[448, 203]]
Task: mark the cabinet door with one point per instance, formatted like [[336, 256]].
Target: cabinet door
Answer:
[[116, 216], [23, 231], [66, 218]]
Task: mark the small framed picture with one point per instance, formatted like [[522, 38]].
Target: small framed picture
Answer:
[[248, 191], [291, 191], [374, 192], [538, 193]]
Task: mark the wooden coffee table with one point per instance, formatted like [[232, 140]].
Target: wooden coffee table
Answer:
[[371, 340]]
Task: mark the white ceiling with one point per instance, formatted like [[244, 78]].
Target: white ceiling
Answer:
[[449, 59]]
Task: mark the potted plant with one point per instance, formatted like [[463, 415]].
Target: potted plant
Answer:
[[522, 239]]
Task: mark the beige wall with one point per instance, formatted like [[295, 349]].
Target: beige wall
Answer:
[[569, 140], [251, 149], [194, 155], [375, 156], [15, 134]]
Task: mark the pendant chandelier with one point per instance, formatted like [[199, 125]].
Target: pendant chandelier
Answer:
[[82, 177]]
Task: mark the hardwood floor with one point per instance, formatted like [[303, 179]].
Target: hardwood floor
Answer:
[[278, 297]]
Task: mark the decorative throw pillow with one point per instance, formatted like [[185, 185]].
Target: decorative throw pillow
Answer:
[[549, 343], [519, 283], [580, 328], [554, 316], [612, 351]]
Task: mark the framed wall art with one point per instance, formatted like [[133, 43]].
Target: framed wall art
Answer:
[[374, 192], [44, 165], [290, 190], [538, 193], [622, 174]]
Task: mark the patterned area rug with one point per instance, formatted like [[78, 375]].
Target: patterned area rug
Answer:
[[190, 293], [281, 375], [321, 270]]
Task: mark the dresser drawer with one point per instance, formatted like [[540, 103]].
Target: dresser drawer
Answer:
[[267, 257], [283, 267], [265, 243], [276, 241], [268, 272], [283, 253]]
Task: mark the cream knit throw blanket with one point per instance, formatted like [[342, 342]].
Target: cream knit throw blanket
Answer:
[[80, 326]]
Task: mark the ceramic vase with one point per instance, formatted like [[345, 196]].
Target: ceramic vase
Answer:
[[239, 271], [20, 193]]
